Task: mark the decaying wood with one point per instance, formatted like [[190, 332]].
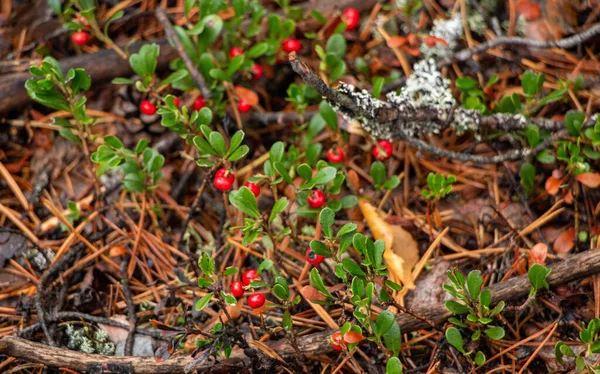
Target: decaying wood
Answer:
[[102, 66], [575, 267]]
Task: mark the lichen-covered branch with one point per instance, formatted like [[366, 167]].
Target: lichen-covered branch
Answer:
[[565, 43], [425, 106]]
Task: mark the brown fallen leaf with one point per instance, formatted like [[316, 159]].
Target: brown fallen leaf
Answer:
[[565, 241], [538, 254], [401, 250], [591, 180], [552, 185]]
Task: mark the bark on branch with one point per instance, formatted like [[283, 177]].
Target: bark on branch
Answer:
[[575, 267]]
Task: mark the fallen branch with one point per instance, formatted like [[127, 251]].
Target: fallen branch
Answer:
[[565, 43], [575, 267], [198, 78]]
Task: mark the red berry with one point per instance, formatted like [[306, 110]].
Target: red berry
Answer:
[[351, 17], [253, 187], [313, 258], [385, 152], [83, 21], [257, 70], [336, 341], [235, 51], [291, 45], [316, 199], [256, 300], [248, 276], [237, 289], [80, 37], [223, 179], [199, 103], [243, 106], [336, 155], [147, 107], [176, 101]]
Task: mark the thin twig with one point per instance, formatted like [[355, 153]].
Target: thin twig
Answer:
[[130, 310], [198, 78]]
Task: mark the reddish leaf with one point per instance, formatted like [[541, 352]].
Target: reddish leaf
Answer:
[[396, 41], [353, 337], [311, 293], [538, 253], [591, 180], [529, 10], [413, 51], [568, 196], [565, 241], [552, 185], [247, 95]]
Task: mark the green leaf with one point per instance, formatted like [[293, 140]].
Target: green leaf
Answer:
[[465, 83], [176, 76], [456, 307], [287, 322], [280, 291], [324, 176], [336, 45], [278, 207], [239, 153], [79, 79], [244, 200], [537, 275], [377, 86], [265, 265], [347, 228], [230, 271], [235, 64], [474, 283], [479, 358], [113, 141], [385, 320], [320, 248], [392, 338], [328, 114], [574, 120], [495, 333], [229, 298], [280, 167], [203, 302], [219, 75], [327, 219], [276, 152], [529, 83], [55, 6], [455, 339], [212, 26], [203, 146], [235, 141], [113, 18], [528, 176], [393, 366], [69, 135], [258, 50], [317, 283], [217, 142], [393, 285], [144, 62], [51, 98], [352, 267], [377, 173], [304, 171]]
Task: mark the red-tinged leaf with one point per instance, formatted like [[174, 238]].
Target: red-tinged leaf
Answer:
[[310, 293], [591, 180], [353, 337], [565, 241], [415, 52], [396, 41], [413, 40], [538, 254], [422, 21], [529, 10], [247, 95], [568, 196], [552, 185], [161, 326], [163, 352]]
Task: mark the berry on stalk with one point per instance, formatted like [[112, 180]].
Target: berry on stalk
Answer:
[[313, 258], [335, 154], [80, 37], [316, 199], [248, 276], [351, 17], [291, 45], [256, 300], [237, 289], [383, 151], [147, 107]]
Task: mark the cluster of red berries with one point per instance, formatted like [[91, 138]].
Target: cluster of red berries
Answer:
[[148, 108], [81, 37], [223, 179], [256, 300]]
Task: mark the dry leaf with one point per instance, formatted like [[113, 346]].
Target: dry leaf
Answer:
[[401, 250], [396, 41], [591, 180], [538, 254], [552, 185], [310, 293], [247, 95], [565, 241], [529, 10]]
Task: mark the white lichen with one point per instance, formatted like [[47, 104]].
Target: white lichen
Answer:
[[99, 342], [451, 31]]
